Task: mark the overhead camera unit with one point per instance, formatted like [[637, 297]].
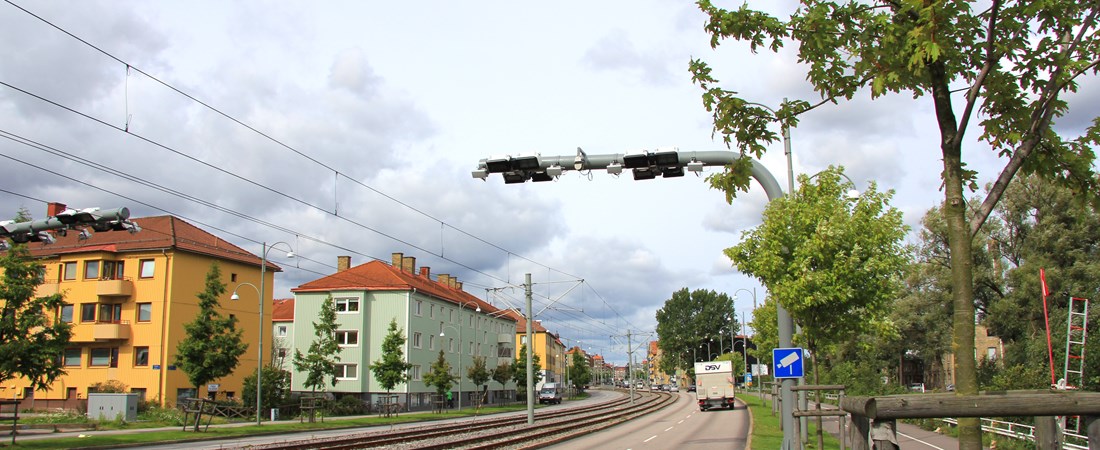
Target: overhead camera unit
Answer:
[[498, 164], [581, 160], [635, 160], [672, 171], [665, 158], [514, 177], [525, 163], [644, 174], [541, 176]]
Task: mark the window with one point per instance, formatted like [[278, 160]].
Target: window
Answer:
[[416, 339], [431, 311], [991, 353], [111, 313], [72, 357], [346, 337], [415, 375], [67, 313], [431, 342], [281, 352], [347, 305], [451, 345], [87, 312], [144, 312], [451, 315], [91, 270], [140, 392], [347, 371], [105, 357], [146, 268], [419, 308], [141, 356], [70, 271], [112, 270], [280, 331]]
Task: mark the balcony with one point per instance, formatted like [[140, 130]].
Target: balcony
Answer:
[[504, 338], [47, 289], [107, 331], [120, 287]]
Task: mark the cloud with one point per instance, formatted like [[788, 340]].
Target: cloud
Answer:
[[615, 52]]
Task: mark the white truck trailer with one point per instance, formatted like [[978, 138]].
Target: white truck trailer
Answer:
[[714, 384]]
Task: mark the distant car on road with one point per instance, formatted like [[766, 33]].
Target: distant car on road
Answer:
[[673, 388], [691, 387]]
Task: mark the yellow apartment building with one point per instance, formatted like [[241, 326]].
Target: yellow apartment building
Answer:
[[550, 350], [128, 297]]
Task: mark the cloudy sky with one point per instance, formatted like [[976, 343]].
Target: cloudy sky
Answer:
[[351, 128]]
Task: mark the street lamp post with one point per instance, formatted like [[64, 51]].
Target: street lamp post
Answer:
[[260, 339], [460, 345]]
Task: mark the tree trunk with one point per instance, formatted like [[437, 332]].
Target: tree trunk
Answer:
[[817, 401], [959, 240]]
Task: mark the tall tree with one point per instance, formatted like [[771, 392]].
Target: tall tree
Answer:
[[519, 369], [478, 373], [687, 321], [391, 369], [1014, 58], [31, 342], [320, 360], [502, 374], [213, 345], [275, 387], [579, 374], [439, 375]]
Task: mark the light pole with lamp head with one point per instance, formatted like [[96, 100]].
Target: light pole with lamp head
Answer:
[[460, 345], [260, 339]]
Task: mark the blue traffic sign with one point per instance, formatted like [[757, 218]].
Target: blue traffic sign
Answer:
[[788, 363]]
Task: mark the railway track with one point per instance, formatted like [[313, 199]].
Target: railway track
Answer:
[[495, 433]]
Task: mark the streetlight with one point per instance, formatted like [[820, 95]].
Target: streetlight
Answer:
[[460, 344], [260, 340]]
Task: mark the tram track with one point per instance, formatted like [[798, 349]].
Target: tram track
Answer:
[[495, 433]]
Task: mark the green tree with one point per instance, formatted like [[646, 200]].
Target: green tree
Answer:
[[579, 375], [502, 374], [32, 343], [275, 387], [319, 362], [1015, 58], [391, 369], [519, 369], [478, 373], [213, 345], [687, 321], [439, 375]]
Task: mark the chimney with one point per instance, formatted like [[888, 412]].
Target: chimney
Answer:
[[408, 264], [426, 272], [458, 284], [452, 282], [54, 208], [395, 260], [443, 279], [343, 263]]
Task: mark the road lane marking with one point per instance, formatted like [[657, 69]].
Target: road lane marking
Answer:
[[918, 440], [669, 428], [650, 438], [677, 423]]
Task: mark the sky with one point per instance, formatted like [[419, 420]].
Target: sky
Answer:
[[351, 128]]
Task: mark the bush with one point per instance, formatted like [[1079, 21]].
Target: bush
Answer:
[[347, 406], [109, 387]]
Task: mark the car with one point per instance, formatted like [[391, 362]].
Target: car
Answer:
[[691, 387], [655, 387], [673, 388]]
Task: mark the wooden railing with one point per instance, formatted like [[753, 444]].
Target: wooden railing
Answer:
[[874, 418]]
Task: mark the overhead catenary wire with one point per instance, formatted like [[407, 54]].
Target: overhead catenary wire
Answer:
[[337, 173]]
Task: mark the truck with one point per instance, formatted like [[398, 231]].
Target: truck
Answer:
[[714, 384], [550, 393]]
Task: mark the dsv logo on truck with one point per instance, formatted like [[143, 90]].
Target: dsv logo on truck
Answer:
[[710, 367]]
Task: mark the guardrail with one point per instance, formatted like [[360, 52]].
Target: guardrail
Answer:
[[1024, 432], [874, 418]]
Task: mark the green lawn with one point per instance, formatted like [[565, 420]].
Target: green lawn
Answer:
[[766, 434]]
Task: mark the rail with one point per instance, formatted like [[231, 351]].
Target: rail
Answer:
[[1025, 432], [874, 418]]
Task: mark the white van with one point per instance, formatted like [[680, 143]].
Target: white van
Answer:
[[550, 393]]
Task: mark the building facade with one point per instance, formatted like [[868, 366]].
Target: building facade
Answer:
[[433, 315], [282, 332], [128, 297], [547, 346]]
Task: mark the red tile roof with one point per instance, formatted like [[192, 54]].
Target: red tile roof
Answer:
[[158, 232], [282, 310], [379, 276]]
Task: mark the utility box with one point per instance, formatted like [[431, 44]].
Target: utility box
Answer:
[[113, 407]]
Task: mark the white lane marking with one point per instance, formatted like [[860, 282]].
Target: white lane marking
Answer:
[[918, 440], [669, 428], [650, 438], [677, 423]]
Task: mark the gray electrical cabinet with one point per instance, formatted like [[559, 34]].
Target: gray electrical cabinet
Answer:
[[113, 407]]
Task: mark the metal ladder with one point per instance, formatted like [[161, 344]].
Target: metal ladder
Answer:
[[1076, 335]]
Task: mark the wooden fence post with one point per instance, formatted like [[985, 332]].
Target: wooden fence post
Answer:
[[1048, 434], [859, 432]]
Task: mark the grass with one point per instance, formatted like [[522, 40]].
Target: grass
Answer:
[[766, 434], [95, 439]]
